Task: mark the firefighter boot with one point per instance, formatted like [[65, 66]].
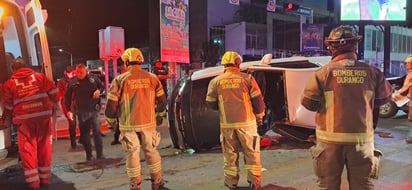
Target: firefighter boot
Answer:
[[157, 181], [135, 183], [254, 186]]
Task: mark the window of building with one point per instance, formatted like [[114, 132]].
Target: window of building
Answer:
[[217, 35], [404, 44], [368, 39], [373, 40], [251, 41], [379, 40], [394, 42]]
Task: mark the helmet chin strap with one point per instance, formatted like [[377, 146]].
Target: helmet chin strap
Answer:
[[336, 51]]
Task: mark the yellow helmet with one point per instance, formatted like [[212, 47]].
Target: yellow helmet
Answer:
[[408, 59], [132, 55], [231, 57]]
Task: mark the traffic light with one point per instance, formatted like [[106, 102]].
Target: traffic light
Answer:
[[290, 6]]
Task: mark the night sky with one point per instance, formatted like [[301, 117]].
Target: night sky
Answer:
[[74, 24]]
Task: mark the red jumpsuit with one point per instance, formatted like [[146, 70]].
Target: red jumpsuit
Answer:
[[29, 96]]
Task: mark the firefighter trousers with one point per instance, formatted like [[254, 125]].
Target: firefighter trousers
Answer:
[[148, 140], [361, 161], [234, 140], [35, 149]]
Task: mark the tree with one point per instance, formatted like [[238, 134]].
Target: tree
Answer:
[[210, 54]]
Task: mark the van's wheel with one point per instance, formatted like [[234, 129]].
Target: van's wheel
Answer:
[[388, 110]]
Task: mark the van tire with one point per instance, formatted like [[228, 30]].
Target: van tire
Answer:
[[388, 110]]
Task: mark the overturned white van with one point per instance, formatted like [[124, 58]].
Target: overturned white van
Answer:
[[193, 125]]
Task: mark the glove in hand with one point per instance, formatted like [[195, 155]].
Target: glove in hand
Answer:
[[259, 121], [114, 124]]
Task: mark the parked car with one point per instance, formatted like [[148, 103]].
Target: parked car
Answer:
[[193, 125], [390, 109]]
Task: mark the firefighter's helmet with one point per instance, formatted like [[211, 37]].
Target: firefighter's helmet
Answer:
[[342, 39], [342, 35], [408, 59], [132, 55], [231, 58]]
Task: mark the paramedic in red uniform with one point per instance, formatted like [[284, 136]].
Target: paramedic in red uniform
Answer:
[[30, 98], [62, 86], [343, 94]]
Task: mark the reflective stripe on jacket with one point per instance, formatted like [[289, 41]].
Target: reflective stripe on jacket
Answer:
[[132, 99], [344, 93], [29, 94], [235, 93]]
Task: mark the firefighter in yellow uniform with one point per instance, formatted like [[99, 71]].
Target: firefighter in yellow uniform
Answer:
[[238, 98], [133, 98], [343, 94]]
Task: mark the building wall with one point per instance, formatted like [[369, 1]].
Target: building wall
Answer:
[[221, 12], [236, 37], [401, 47], [198, 28]]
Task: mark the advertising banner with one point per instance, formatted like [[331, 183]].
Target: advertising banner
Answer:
[[376, 10], [234, 2], [312, 37], [174, 31], [271, 6]]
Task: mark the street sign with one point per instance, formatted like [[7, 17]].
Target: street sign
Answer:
[[304, 11]]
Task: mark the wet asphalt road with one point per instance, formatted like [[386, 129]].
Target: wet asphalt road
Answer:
[[287, 165]]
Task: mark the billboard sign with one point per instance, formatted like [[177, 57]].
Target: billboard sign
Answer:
[[174, 31], [312, 37], [373, 10], [304, 11]]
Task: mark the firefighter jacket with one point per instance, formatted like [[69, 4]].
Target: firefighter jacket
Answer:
[[344, 94], [81, 92], [28, 94], [133, 98], [238, 98]]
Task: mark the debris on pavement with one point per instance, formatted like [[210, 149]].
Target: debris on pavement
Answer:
[[270, 138], [385, 135]]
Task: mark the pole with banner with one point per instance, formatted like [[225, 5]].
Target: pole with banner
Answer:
[[234, 2], [271, 6]]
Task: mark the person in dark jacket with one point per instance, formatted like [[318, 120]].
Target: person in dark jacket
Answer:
[[85, 90]]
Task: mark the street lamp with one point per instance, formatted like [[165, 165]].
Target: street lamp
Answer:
[[71, 56]]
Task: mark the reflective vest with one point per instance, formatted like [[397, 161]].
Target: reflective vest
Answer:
[[132, 99], [234, 91], [346, 91]]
